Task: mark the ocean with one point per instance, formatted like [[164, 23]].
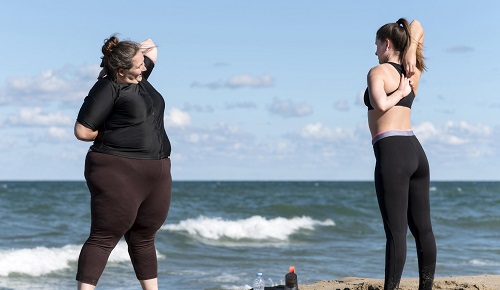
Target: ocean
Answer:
[[219, 234]]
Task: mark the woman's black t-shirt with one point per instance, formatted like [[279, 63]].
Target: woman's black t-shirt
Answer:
[[128, 117]]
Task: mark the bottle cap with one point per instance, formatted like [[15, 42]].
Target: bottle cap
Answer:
[[291, 269]]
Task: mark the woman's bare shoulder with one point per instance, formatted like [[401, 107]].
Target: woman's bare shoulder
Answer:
[[381, 69]]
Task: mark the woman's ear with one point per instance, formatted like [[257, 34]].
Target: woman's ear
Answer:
[[388, 44], [121, 72]]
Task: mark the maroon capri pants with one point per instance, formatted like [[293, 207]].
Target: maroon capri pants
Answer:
[[131, 198]]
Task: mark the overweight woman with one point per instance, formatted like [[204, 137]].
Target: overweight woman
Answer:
[[127, 168]]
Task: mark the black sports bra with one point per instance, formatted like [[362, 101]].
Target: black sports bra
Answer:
[[404, 102]]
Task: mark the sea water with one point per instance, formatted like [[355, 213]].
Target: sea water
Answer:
[[327, 230]]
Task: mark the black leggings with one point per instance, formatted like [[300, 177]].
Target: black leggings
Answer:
[[402, 185], [131, 198]]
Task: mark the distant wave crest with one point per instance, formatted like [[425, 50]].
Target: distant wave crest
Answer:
[[268, 229], [484, 262]]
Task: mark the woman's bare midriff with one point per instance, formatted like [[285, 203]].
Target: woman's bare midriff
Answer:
[[396, 118]]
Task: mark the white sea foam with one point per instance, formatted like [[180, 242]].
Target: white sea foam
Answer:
[[482, 262], [227, 278], [42, 260], [37, 261], [246, 287], [269, 229]]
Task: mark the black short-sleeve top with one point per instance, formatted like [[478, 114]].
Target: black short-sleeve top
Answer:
[[129, 118]]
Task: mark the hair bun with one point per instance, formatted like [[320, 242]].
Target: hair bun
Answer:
[[109, 45]]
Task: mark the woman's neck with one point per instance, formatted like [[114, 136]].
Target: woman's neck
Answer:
[[394, 59]]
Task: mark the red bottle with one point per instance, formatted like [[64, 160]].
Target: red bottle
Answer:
[[291, 280]]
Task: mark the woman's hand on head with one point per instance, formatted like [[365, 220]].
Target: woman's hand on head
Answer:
[[149, 49]]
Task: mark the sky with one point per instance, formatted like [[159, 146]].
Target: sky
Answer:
[[254, 90]]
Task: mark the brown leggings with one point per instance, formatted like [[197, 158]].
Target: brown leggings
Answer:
[[131, 198]]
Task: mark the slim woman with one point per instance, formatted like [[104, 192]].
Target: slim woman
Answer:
[[127, 168], [401, 171]]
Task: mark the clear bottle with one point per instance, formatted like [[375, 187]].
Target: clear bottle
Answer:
[[258, 283], [291, 280]]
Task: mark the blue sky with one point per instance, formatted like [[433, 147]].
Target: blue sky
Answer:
[[254, 90]]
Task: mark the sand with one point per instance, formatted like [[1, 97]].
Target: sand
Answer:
[[483, 282]]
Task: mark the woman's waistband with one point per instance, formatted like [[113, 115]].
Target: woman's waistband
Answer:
[[390, 133]]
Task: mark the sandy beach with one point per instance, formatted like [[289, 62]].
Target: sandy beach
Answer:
[[482, 282]]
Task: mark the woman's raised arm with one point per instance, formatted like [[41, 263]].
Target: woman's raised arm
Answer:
[[416, 40], [149, 49]]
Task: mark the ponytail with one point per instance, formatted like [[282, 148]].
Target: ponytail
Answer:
[[405, 38]]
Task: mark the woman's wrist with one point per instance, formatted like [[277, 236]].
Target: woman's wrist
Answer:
[[147, 45], [402, 95]]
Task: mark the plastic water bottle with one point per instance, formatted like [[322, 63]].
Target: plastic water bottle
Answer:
[[291, 280], [258, 283]]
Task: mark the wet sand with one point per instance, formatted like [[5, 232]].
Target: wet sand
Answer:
[[482, 282]]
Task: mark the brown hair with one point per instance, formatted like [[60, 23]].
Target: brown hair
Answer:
[[117, 54], [399, 35]]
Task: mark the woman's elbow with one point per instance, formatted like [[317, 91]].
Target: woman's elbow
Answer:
[[381, 108], [83, 133], [84, 138]]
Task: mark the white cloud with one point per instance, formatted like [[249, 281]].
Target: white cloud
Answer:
[[452, 132], [213, 85], [197, 137], [457, 140], [177, 119], [280, 148], [221, 139], [245, 80], [460, 49], [221, 64], [342, 105], [238, 81], [360, 99], [319, 145], [188, 107], [241, 105], [59, 133], [319, 131], [47, 82], [35, 117], [289, 109], [425, 131], [64, 84], [465, 128]]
